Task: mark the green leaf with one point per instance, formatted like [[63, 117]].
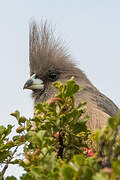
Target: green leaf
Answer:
[[96, 135], [22, 119], [39, 106], [100, 176], [2, 130], [116, 166], [10, 178], [9, 129], [9, 144], [79, 159], [111, 122], [83, 121], [15, 138], [27, 177], [68, 172], [77, 128], [16, 114], [3, 155], [36, 171], [1, 176], [70, 88], [44, 150], [41, 134], [114, 122], [58, 85]]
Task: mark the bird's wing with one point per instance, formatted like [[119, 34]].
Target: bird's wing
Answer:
[[103, 102], [106, 105]]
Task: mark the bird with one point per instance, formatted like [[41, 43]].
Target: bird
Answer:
[[50, 61]]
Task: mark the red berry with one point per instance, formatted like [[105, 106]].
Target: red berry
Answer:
[[53, 100], [57, 134], [107, 170], [90, 153], [86, 149]]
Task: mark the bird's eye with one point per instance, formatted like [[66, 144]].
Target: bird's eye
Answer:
[[53, 75]]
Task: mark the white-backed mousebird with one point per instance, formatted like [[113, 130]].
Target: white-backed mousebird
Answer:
[[50, 61]]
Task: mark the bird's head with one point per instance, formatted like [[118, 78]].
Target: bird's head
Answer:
[[49, 61]]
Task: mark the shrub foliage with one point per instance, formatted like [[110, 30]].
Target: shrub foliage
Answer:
[[56, 143]]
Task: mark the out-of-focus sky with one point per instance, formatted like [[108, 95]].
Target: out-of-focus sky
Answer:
[[91, 30]]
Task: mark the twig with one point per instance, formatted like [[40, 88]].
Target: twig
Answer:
[[8, 161], [101, 147], [61, 148]]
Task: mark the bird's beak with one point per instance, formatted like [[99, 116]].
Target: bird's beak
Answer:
[[34, 84], [28, 84]]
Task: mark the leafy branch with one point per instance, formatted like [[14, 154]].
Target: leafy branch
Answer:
[[56, 143]]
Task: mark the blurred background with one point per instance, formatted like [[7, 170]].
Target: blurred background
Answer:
[[91, 30]]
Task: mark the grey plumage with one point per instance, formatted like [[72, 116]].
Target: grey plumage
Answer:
[[50, 61]]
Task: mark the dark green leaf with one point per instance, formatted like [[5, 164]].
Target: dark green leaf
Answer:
[[39, 106], [3, 155], [36, 171], [9, 129], [15, 138], [116, 166], [10, 178], [68, 172]]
